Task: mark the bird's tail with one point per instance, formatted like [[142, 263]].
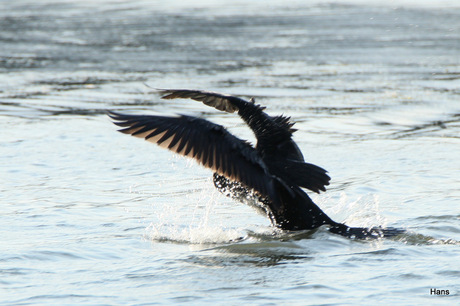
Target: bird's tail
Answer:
[[365, 233]]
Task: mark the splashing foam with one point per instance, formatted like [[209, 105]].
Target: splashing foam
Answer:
[[197, 225], [172, 219], [363, 212], [191, 235]]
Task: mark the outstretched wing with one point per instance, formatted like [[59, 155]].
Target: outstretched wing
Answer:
[[208, 143], [269, 131], [222, 102], [274, 134]]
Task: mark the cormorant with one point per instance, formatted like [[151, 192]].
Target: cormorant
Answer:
[[273, 172]]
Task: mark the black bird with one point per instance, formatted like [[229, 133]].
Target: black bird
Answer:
[[272, 173]]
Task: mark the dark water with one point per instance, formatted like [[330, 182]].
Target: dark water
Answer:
[[90, 216]]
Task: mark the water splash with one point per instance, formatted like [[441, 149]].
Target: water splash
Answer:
[[200, 227], [362, 212], [192, 235]]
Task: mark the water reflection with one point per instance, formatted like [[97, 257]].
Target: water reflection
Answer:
[[259, 254]]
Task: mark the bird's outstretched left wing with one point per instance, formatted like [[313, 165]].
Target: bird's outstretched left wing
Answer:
[[208, 143]]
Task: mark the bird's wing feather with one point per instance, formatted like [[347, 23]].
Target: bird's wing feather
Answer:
[[208, 143], [222, 102], [268, 130]]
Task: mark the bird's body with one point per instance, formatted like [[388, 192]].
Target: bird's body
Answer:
[[273, 172]]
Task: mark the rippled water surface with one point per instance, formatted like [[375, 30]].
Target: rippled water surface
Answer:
[[91, 216]]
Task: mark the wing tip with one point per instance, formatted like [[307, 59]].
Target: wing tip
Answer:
[[118, 119], [166, 94], [113, 115], [170, 94]]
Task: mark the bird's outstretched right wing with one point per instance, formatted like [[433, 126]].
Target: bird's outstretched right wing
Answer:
[[274, 135], [269, 131], [222, 102]]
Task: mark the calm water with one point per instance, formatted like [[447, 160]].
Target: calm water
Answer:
[[91, 216]]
